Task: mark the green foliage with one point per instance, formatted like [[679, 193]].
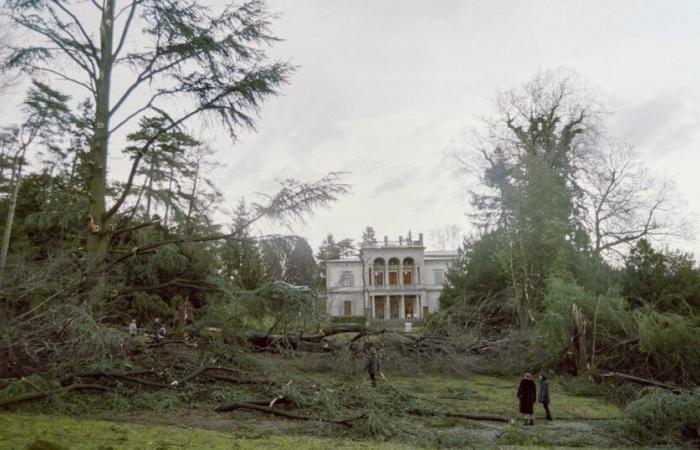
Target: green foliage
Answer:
[[607, 312], [663, 417], [672, 344], [666, 280], [475, 292], [348, 320], [301, 266], [149, 306], [274, 307]]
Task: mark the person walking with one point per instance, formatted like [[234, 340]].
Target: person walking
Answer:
[[373, 366], [543, 396], [527, 394]]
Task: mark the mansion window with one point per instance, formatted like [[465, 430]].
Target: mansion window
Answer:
[[438, 276], [346, 279]]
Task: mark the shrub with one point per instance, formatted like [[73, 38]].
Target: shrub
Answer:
[[664, 417], [348, 319]]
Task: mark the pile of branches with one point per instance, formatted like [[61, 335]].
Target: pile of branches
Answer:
[[166, 378], [32, 343]]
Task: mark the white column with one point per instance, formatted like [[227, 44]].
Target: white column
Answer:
[[400, 273], [402, 308], [371, 306], [386, 307]]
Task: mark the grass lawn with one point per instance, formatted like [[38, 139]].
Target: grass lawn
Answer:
[[580, 421], [493, 395], [46, 432]]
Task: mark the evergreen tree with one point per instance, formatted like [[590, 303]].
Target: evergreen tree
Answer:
[[300, 267], [368, 236], [329, 250], [240, 257]]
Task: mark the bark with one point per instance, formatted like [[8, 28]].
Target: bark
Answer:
[[193, 198], [98, 234], [9, 221]]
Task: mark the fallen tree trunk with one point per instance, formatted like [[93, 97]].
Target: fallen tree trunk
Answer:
[[461, 415], [638, 380], [39, 395], [114, 376], [227, 407]]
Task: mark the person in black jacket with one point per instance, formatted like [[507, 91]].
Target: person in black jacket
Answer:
[[527, 394], [543, 396], [373, 366]]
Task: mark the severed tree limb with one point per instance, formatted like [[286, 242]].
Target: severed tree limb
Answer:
[[117, 376], [461, 415], [39, 395], [638, 380], [267, 410]]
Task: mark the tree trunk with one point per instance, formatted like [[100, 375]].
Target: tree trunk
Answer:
[[16, 178], [170, 196], [149, 192], [190, 210], [98, 231]]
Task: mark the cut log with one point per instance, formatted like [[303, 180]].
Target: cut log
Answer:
[[39, 395]]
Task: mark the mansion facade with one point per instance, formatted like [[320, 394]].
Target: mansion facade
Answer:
[[388, 280]]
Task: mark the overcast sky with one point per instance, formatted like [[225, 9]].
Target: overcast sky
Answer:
[[385, 88]]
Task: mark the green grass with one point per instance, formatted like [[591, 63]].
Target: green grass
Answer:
[[486, 394], [25, 431]]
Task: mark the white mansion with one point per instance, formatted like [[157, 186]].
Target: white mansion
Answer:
[[388, 280]]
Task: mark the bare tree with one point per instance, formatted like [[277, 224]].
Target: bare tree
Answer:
[[625, 203], [448, 237]]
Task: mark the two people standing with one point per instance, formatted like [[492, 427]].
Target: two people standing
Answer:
[[527, 395]]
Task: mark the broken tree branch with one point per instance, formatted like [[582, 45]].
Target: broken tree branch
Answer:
[[638, 380], [40, 395], [267, 410]]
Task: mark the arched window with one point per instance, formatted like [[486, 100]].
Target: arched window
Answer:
[[393, 271], [408, 271], [378, 267]]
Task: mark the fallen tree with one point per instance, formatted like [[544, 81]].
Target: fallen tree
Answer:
[[461, 415], [39, 395], [255, 406], [638, 380]]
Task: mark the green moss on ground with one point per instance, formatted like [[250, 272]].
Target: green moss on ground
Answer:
[[25, 431]]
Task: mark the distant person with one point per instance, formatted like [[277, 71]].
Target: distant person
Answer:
[[373, 366], [543, 396], [527, 394], [133, 329], [156, 326]]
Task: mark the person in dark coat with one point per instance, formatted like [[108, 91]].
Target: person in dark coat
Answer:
[[527, 394], [543, 396], [373, 366]]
